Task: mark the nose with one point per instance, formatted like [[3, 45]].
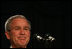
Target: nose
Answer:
[[22, 32]]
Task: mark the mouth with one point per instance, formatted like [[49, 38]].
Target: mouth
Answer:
[[21, 38]]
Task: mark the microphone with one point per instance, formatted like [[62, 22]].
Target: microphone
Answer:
[[46, 37], [43, 40]]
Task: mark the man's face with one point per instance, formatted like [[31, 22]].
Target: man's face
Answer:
[[20, 32]]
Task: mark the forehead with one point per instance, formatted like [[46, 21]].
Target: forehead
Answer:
[[19, 21]]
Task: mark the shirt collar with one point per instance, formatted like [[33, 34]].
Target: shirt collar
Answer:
[[10, 46]]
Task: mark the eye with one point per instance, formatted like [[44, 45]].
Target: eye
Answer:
[[17, 28], [26, 29]]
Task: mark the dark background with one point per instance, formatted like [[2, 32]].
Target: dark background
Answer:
[[52, 17]]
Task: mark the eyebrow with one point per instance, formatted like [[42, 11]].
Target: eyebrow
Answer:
[[16, 26], [24, 27]]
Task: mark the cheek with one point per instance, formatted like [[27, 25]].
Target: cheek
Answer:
[[14, 35], [28, 37], [28, 34]]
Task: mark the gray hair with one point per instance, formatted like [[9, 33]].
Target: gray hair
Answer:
[[7, 23]]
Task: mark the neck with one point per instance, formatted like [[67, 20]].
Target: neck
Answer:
[[18, 46]]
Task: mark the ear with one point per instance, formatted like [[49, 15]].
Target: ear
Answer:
[[7, 35]]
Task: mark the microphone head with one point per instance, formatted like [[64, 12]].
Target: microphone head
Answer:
[[43, 40], [46, 37]]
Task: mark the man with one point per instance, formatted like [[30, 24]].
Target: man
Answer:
[[17, 30]]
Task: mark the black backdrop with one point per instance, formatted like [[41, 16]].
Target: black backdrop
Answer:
[[52, 17]]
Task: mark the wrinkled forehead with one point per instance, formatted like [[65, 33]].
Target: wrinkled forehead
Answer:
[[19, 21]]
